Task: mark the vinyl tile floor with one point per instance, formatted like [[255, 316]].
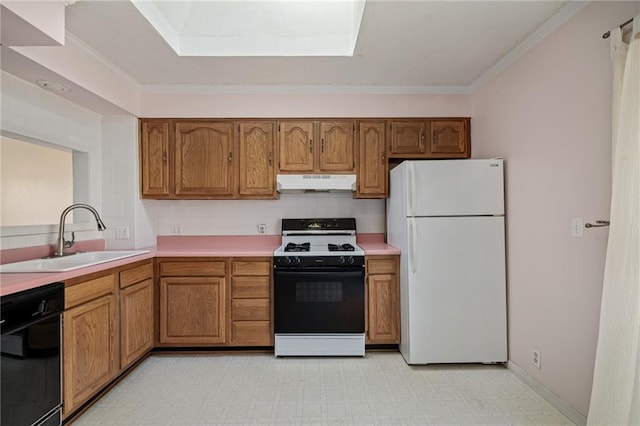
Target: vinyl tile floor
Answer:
[[380, 389]]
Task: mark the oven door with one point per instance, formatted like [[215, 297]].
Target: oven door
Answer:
[[319, 300]]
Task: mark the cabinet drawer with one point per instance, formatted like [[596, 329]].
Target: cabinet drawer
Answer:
[[251, 268], [250, 309], [135, 275], [80, 293], [249, 287], [193, 269], [251, 333], [382, 266]]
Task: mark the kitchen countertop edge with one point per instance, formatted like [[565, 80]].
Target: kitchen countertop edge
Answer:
[[14, 283]]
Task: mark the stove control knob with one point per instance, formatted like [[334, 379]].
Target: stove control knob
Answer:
[[295, 260], [350, 260], [341, 260], [287, 260]]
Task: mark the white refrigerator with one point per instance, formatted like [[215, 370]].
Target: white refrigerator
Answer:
[[447, 218]]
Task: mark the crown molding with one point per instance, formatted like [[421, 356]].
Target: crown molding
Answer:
[[303, 89], [548, 27], [536, 37], [78, 45]]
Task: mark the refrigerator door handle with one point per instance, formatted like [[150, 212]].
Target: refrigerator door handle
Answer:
[[412, 248], [411, 188]]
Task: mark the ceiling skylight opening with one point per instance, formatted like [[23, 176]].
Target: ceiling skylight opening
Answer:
[[256, 28]]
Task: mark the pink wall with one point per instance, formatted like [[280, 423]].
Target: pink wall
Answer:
[[167, 104], [548, 115]]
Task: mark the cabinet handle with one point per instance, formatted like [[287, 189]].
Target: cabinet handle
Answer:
[[384, 157], [164, 157], [322, 145], [230, 157], [270, 158], [311, 146], [421, 138]]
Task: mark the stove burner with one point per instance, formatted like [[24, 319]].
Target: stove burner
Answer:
[[297, 247], [341, 247]]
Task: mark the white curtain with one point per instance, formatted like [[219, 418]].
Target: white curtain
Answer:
[[615, 397]]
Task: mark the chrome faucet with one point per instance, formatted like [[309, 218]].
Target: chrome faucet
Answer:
[[62, 244]]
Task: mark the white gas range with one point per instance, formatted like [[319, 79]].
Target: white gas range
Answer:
[[319, 291]]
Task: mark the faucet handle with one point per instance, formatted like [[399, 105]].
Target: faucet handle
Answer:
[[68, 244]]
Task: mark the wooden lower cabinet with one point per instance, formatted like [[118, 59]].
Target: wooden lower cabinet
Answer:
[[90, 340], [383, 300], [192, 310], [250, 313], [201, 304], [136, 313]]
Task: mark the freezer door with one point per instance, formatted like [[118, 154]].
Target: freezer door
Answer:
[[455, 188], [455, 292]]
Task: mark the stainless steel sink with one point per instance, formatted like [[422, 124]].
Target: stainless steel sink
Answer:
[[68, 263]]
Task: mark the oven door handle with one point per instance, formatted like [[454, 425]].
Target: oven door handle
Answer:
[[350, 272]]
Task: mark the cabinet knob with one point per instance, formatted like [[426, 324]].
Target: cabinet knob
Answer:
[[311, 146], [230, 157], [270, 158], [164, 157]]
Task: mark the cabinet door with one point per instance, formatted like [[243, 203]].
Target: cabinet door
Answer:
[[383, 309], [90, 345], [372, 164], [449, 138], [296, 146], [337, 147], [204, 159], [407, 137], [256, 160], [136, 321], [154, 161], [192, 310]]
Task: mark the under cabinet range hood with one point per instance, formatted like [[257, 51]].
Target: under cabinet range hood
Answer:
[[315, 183]]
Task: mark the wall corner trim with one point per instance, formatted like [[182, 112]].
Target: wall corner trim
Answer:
[[571, 413]]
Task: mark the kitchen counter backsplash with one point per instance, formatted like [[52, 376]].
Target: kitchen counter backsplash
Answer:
[[241, 217]]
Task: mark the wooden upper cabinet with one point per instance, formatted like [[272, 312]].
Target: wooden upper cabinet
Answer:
[[430, 138], [256, 159], [154, 159], [337, 147], [204, 159], [296, 146], [407, 137], [372, 161], [450, 138]]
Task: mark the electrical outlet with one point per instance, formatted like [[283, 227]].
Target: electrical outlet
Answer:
[[577, 227], [536, 357], [262, 229], [175, 229], [122, 232]]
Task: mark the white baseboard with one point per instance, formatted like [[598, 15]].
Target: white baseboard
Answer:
[[571, 413]]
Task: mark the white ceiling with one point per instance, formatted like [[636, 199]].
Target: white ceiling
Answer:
[[439, 46]]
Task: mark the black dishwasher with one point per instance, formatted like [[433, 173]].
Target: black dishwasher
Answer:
[[30, 359]]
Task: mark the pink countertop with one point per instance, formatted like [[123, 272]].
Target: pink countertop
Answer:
[[169, 246]]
